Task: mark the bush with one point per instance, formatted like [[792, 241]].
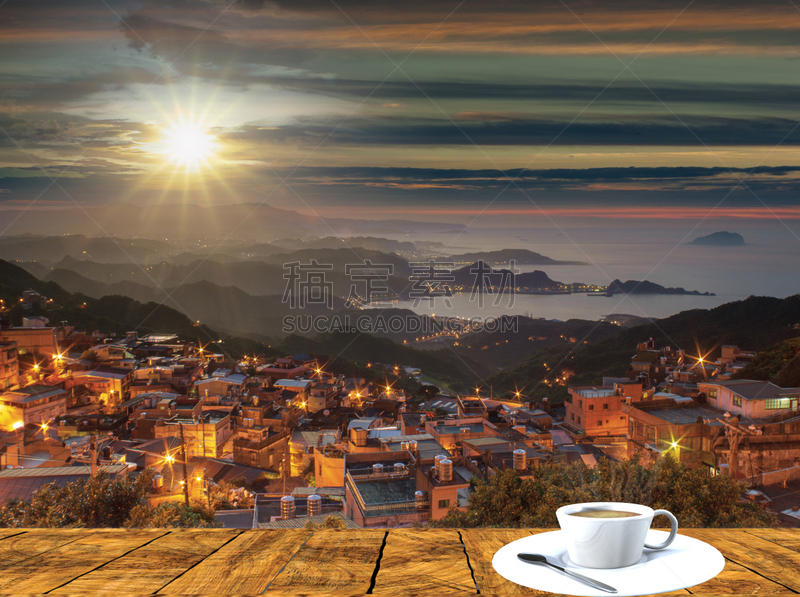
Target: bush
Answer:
[[330, 522], [694, 496], [101, 501], [172, 515]]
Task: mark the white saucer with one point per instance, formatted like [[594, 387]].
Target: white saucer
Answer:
[[685, 563]]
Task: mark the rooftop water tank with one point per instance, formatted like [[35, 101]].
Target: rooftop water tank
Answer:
[[520, 460], [287, 507], [446, 470], [314, 505]]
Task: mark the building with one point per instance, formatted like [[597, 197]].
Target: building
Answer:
[[597, 410], [267, 452], [470, 406], [650, 366], [41, 342], [321, 396], [749, 398], [679, 426], [204, 435], [702, 435], [449, 433], [9, 366], [109, 385], [31, 404], [398, 486], [286, 368], [230, 385], [381, 490]]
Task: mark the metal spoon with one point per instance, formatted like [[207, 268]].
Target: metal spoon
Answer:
[[535, 558]]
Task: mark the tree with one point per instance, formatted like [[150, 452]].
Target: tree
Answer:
[[428, 392], [172, 515], [230, 495], [100, 501], [89, 355], [694, 496], [330, 522]]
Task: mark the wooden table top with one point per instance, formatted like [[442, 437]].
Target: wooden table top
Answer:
[[331, 562]]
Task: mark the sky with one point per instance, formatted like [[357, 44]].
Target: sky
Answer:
[[465, 111]]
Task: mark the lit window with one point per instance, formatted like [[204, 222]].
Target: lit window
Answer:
[[737, 400], [777, 403], [712, 393], [444, 503]]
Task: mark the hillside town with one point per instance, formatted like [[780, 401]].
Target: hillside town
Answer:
[[291, 441]]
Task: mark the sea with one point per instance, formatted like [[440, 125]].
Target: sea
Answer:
[[767, 265]]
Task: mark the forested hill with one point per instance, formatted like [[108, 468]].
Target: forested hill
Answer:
[[756, 323]]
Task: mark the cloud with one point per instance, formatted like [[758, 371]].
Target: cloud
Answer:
[[613, 131]]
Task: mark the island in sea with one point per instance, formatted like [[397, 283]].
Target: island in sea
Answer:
[[720, 239]]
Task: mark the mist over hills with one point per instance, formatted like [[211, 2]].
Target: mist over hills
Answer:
[[246, 220], [526, 358], [504, 256], [756, 323]]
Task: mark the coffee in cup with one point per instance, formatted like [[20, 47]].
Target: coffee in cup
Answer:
[[609, 534], [603, 514]]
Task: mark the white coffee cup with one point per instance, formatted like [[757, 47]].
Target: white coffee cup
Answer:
[[610, 542]]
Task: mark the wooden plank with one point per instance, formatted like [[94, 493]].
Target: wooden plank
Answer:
[[5, 533], [738, 580], [481, 546], [788, 538], [154, 565], [304, 593], [51, 569], [765, 558], [341, 561], [435, 558], [245, 565], [22, 546]]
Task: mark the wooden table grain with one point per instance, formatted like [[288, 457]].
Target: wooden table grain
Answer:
[[344, 563]]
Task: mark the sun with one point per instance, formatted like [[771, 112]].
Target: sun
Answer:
[[189, 144]]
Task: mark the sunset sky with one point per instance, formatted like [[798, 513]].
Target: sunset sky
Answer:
[[441, 110]]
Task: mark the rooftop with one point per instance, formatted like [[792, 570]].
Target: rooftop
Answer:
[[750, 389], [300, 521], [31, 394], [686, 415], [594, 392], [387, 490]]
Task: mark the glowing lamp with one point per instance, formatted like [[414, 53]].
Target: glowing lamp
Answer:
[[17, 425]]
